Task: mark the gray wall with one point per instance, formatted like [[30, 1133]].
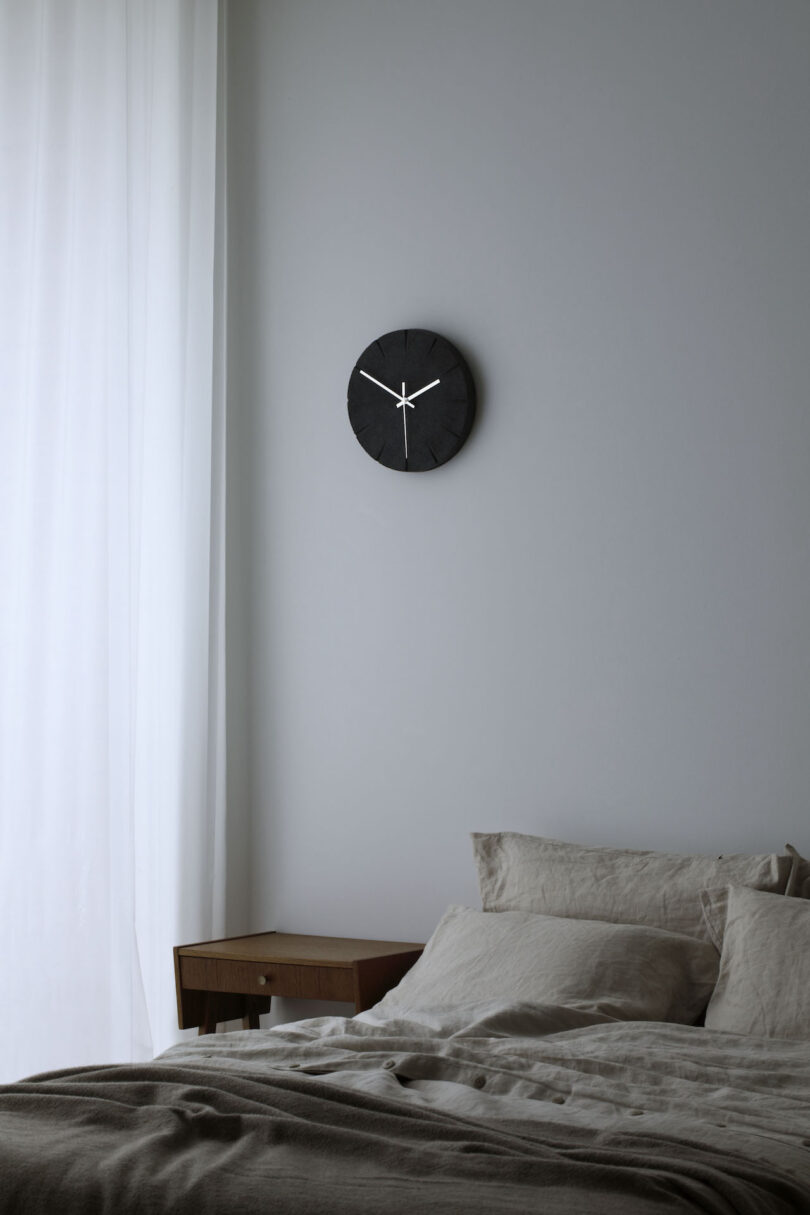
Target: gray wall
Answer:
[[594, 623]]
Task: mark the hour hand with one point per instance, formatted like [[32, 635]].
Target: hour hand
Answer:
[[432, 384], [384, 387]]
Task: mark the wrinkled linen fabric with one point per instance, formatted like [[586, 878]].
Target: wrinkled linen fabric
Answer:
[[764, 982], [485, 1109], [519, 872], [624, 971]]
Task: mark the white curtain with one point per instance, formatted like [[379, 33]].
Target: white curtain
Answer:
[[111, 521]]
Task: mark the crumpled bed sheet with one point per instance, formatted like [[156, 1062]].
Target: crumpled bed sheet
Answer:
[[487, 1108]]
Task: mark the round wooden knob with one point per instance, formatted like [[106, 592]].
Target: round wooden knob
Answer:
[[262, 979]]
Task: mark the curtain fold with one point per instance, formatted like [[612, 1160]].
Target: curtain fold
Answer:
[[112, 500]]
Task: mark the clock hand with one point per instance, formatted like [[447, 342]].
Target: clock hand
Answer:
[[384, 387], [405, 401], [432, 384]]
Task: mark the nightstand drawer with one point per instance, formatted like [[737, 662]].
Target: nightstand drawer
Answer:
[[267, 978]]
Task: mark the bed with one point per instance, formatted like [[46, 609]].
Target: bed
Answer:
[[614, 1031]]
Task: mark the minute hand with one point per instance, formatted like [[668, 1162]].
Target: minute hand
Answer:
[[432, 384], [384, 387]]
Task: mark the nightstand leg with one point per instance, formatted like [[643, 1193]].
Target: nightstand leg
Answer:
[[251, 1018], [209, 1021]]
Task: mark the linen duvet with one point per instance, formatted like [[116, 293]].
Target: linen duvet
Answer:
[[485, 1108]]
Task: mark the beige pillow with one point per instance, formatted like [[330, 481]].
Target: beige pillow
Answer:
[[623, 886], [714, 905], [624, 971], [799, 883], [764, 982]]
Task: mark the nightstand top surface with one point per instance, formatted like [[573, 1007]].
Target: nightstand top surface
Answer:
[[297, 948]]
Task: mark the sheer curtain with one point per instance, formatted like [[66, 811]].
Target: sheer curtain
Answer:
[[111, 521]]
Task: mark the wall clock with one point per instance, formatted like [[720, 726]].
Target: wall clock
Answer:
[[411, 400]]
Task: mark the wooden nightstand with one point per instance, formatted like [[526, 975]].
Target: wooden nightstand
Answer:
[[223, 980]]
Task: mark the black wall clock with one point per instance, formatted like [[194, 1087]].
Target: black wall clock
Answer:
[[411, 400]]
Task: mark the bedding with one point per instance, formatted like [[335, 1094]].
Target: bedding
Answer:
[[533, 1060], [485, 1108], [623, 971], [519, 872], [764, 982]]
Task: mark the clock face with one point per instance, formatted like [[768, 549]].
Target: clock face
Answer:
[[411, 400]]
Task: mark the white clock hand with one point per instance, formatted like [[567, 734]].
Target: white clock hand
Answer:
[[432, 384], [384, 387], [405, 401]]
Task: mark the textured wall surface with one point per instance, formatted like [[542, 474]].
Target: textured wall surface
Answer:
[[594, 622]]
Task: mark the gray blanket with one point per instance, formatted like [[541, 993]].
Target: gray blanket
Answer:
[[291, 1122]]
